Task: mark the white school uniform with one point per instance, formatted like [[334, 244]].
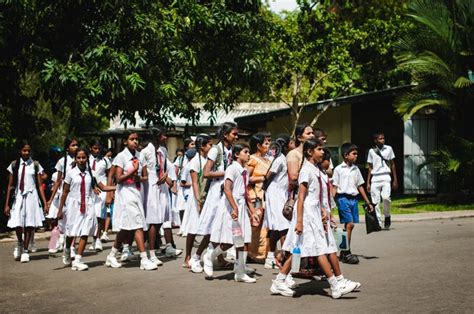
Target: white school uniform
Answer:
[[155, 208], [53, 209], [314, 240], [181, 163], [175, 220], [380, 185], [188, 194], [347, 179], [222, 227], [329, 204], [129, 213], [26, 209], [80, 224], [276, 196], [195, 165], [214, 196], [99, 171]]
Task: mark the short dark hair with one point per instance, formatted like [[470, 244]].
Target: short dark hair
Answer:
[[377, 134], [347, 148], [237, 149], [326, 155], [187, 141], [318, 133]]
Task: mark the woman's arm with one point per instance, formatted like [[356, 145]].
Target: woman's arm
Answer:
[[63, 200], [302, 190], [6, 210]]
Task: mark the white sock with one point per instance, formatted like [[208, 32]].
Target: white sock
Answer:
[[332, 281], [246, 253], [143, 255], [78, 258], [152, 253], [113, 251], [241, 260], [281, 276], [217, 251], [197, 257], [126, 248], [340, 277], [271, 255]]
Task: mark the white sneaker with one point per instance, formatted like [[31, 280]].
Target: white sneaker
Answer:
[[208, 266], [355, 283], [280, 287], [59, 245], [231, 255], [196, 266], [290, 282], [170, 251], [92, 246], [53, 251], [126, 256], [73, 252], [242, 277], [156, 261], [25, 258], [269, 263], [146, 264], [61, 242], [98, 245], [247, 270], [77, 265], [16, 252], [33, 248], [67, 257], [111, 261], [104, 238], [341, 289]]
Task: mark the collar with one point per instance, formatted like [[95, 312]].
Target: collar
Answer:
[[26, 162], [345, 165], [239, 167], [129, 155]]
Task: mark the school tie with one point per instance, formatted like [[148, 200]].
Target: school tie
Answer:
[[244, 175], [83, 193], [22, 178], [137, 184], [93, 165]]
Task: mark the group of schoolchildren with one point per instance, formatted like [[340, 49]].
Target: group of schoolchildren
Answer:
[[223, 192]]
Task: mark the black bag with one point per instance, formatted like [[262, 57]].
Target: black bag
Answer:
[[371, 221]]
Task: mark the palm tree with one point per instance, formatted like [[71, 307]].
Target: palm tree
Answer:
[[439, 55]]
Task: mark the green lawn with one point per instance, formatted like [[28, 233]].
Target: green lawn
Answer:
[[409, 205]]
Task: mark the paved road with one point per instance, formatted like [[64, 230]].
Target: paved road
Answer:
[[416, 267]]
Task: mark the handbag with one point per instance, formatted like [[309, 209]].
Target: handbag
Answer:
[[371, 221], [289, 206]]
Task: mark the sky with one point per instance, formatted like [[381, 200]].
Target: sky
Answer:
[[278, 5]]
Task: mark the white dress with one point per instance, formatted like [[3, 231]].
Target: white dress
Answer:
[[187, 195], [181, 163], [214, 196], [26, 210], [222, 227], [329, 204], [53, 209], [192, 222], [276, 196], [129, 213], [100, 174], [80, 224], [314, 240]]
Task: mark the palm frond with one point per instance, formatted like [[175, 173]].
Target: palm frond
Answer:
[[463, 82]]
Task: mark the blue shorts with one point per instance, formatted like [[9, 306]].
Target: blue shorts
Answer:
[[348, 209]]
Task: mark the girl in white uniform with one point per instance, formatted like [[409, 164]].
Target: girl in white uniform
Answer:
[[218, 159], [198, 185], [236, 207], [79, 195], [185, 192], [311, 225], [129, 214], [276, 196], [63, 165], [26, 211]]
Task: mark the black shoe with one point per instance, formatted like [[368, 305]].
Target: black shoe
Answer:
[[387, 222], [348, 258]]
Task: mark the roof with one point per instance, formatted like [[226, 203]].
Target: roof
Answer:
[[319, 105]]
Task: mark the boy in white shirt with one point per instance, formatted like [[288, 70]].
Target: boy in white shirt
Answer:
[[381, 173], [347, 185]]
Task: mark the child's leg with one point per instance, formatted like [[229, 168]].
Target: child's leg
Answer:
[[151, 237], [168, 236], [189, 247], [334, 261], [349, 227], [19, 234], [28, 234], [107, 223], [375, 190], [386, 190], [140, 240], [203, 245], [325, 266], [82, 245]]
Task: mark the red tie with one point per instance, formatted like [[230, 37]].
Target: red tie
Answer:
[[22, 179], [244, 175], [83, 193], [160, 160], [93, 165]]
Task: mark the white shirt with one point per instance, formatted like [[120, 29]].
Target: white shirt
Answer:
[[124, 161], [148, 158], [100, 172], [60, 164], [195, 165], [234, 174], [280, 168], [226, 154], [380, 170], [29, 179], [347, 179], [309, 174], [74, 179]]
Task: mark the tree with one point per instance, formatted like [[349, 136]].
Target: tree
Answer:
[[439, 55], [332, 48]]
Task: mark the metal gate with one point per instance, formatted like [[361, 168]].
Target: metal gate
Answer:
[[419, 141]]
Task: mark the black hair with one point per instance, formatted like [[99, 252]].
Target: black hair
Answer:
[[67, 142], [283, 140], [299, 130], [19, 145], [377, 134], [125, 135], [347, 148], [201, 140], [237, 149], [310, 145], [187, 141], [318, 133], [179, 150], [225, 129], [326, 155], [88, 167], [95, 142], [258, 138]]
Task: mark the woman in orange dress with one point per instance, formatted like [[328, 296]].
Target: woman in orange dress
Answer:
[[257, 167]]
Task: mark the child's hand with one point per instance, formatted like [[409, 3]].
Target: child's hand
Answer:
[[395, 185], [299, 227], [333, 222], [60, 214], [96, 190], [135, 164], [163, 179], [235, 214], [368, 187], [48, 204], [371, 208], [6, 211]]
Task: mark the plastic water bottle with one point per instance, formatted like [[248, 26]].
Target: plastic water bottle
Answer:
[[296, 259], [237, 237], [54, 238]]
